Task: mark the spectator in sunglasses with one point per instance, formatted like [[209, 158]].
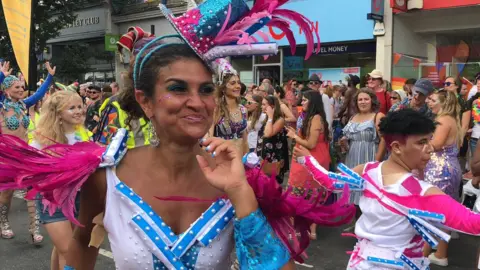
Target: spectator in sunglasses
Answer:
[[94, 92], [376, 84], [397, 96], [315, 83], [455, 85]]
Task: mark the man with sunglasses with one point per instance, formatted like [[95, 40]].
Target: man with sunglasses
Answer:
[[315, 84], [94, 93], [376, 84]]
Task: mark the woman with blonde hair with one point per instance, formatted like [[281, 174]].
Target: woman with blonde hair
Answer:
[[443, 170], [61, 121]]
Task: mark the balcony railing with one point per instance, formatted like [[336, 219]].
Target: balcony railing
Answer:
[[125, 7]]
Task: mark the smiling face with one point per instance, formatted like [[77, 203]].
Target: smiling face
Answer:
[[15, 92], [233, 87], [374, 83], [183, 101], [73, 112], [364, 103]]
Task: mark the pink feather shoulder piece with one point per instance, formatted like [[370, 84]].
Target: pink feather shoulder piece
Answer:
[[56, 172]]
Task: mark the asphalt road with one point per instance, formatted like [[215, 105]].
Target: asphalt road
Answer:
[[326, 253]]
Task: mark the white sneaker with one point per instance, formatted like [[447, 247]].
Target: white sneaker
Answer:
[[437, 261], [455, 235]]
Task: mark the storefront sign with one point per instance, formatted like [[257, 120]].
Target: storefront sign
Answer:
[[18, 15], [111, 42], [334, 76], [80, 22], [377, 10], [368, 47], [336, 21], [400, 5], [90, 23], [437, 4]]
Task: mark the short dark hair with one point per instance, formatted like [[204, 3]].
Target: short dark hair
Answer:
[[95, 87], [411, 81], [398, 125]]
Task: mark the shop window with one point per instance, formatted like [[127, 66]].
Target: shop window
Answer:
[[436, 45]]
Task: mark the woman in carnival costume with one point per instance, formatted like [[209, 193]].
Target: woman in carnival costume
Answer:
[[399, 212], [61, 120], [15, 121], [178, 203], [230, 117]]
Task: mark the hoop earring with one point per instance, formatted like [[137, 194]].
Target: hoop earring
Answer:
[[154, 141]]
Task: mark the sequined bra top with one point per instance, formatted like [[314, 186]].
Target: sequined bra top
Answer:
[[14, 114], [232, 130]]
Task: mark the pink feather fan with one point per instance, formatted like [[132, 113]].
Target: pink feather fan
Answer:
[[267, 13], [289, 214], [56, 172]]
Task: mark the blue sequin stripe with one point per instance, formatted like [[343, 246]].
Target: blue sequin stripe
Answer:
[[346, 179], [341, 186], [344, 169], [132, 196], [431, 228], [390, 263], [427, 215], [189, 237], [410, 264], [171, 260], [425, 232], [157, 264], [219, 226], [116, 149]]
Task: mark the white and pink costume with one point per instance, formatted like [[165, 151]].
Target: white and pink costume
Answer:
[[396, 219]]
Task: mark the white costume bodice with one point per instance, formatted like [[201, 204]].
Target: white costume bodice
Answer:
[[379, 224], [139, 238]]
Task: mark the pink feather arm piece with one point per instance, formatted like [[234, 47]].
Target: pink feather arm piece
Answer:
[[319, 173], [281, 206], [457, 216], [56, 172]]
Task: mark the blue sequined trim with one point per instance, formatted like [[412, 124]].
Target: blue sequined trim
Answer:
[[258, 247]]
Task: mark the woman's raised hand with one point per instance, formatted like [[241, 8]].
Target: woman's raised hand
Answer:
[[49, 68], [228, 173], [5, 67]]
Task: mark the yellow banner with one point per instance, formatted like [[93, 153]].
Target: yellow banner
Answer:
[[18, 16]]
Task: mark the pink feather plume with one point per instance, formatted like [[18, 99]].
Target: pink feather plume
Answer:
[[56, 172], [281, 207]]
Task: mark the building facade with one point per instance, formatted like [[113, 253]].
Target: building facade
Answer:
[[85, 36], [435, 39], [347, 45]]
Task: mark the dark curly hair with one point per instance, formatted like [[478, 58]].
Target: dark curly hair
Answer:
[[148, 78], [373, 97], [398, 125]]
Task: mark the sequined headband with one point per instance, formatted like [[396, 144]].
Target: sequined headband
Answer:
[[148, 50], [9, 81]]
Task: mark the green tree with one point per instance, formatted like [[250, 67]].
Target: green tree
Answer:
[[49, 17], [73, 61]]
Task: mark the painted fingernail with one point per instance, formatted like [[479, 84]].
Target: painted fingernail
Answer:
[[214, 154], [207, 148], [202, 140]]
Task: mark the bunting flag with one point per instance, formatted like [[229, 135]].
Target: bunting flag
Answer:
[[18, 17], [439, 66], [416, 63], [460, 67], [396, 58]]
